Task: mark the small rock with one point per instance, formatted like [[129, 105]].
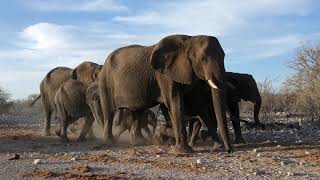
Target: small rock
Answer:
[[259, 155], [283, 163], [161, 150], [301, 163], [38, 161], [192, 165], [258, 172], [199, 161], [74, 159], [14, 157], [158, 155], [290, 174], [307, 153], [278, 146], [255, 150]]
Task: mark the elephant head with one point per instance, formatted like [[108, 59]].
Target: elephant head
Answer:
[[87, 72], [185, 59]]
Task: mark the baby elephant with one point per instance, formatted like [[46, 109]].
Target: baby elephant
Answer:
[[126, 121], [70, 104]]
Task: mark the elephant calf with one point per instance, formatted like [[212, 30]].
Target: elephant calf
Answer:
[[126, 118], [71, 105]]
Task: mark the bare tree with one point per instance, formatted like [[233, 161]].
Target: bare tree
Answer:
[[305, 82], [5, 101]]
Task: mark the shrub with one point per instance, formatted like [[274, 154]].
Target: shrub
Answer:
[[5, 101]]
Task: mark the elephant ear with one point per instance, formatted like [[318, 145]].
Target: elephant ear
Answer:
[[95, 74], [170, 57]]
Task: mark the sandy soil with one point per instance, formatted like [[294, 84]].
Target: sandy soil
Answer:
[[291, 153]]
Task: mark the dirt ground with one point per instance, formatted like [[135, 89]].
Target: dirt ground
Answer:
[[272, 154]]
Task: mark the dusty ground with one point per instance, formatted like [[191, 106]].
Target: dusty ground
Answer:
[[285, 151]]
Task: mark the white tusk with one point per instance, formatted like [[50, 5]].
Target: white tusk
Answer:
[[211, 83], [231, 85]]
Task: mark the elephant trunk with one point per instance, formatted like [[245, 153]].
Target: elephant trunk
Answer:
[[220, 111]]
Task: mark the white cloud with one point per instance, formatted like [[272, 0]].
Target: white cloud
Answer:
[[47, 36], [213, 17], [79, 5]]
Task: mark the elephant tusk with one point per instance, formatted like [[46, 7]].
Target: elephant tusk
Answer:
[[231, 85], [211, 83]]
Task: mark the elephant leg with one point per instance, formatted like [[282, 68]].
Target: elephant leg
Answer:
[[257, 106], [235, 119], [58, 129], [136, 137], [195, 131], [87, 126], [91, 133], [174, 101], [165, 130], [108, 111], [121, 129], [46, 130], [147, 130], [210, 119], [64, 127]]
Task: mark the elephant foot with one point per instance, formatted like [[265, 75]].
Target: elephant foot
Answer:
[[46, 133], [64, 139], [239, 141], [157, 140], [182, 149], [191, 144], [109, 140], [217, 145], [262, 126], [58, 132], [81, 139], [204, 134], [137, 140]]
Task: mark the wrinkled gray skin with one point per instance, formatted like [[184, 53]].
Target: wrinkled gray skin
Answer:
[[70, 105], [87, 72], [243, 86], [126, 121], [140, 77], [48, 88]]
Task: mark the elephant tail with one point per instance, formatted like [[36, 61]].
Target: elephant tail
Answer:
[[35, 100]]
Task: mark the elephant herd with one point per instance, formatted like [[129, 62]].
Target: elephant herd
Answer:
[[184, 75]]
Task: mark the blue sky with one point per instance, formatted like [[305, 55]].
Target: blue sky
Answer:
[[259, 37]]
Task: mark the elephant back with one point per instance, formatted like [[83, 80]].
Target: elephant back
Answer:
[[52, 82]]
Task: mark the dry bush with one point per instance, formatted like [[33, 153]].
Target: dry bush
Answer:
[[305, 82], [24, 105], [5, 101], [269, 100]]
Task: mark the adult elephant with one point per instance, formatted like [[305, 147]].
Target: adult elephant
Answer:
[[48, 88], [241, 87], [86, 72], [139, 77]]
